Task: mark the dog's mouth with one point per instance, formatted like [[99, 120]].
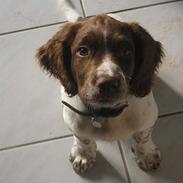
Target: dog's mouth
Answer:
[[98, 102], [107, 111]]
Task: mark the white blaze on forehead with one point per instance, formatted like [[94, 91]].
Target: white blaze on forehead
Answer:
[[107, 67]]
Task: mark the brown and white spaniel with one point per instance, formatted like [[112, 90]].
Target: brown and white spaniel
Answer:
[[106, 68]]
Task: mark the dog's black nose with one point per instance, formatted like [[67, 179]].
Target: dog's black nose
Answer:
[[108, 85]]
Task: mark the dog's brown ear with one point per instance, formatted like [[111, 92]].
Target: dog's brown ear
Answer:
[[55, 56], [148, 54]]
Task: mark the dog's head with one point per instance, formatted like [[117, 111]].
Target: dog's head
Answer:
[[102, 59]]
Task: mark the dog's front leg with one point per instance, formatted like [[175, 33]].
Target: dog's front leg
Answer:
[[146, 152], [83, 154]]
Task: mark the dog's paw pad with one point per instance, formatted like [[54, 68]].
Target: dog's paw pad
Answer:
[[82, 164], [149, 161]]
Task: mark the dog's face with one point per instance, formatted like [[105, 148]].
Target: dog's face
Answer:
[[102, 60]]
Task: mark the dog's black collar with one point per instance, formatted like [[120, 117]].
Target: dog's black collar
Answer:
[[95, 113]]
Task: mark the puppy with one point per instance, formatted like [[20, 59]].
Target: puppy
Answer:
[[106, 68]]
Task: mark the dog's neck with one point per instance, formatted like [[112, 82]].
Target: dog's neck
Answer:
[[78, 106]]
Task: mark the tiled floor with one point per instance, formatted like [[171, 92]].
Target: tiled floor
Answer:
[[34, 142]]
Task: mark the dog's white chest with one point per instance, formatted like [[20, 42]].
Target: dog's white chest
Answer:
[[140, 113]]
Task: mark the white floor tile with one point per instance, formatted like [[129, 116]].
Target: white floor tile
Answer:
[[22, 14], [30, 101], [48, 162], [93, 7]]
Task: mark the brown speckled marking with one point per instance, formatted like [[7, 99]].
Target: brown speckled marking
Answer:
[[143, 136], [147, 155]]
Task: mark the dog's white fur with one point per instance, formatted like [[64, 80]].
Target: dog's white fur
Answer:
[[108, 68]]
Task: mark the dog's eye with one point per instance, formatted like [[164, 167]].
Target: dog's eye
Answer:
[[82, 51]]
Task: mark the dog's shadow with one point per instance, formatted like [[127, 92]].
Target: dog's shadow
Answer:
[[104, 171]]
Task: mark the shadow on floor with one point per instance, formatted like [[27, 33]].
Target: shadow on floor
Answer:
[[168, 133], [167, 98], [105, 171]]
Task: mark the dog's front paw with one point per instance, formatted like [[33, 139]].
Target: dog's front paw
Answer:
[[81, 163], [148, 161], [83, 155]]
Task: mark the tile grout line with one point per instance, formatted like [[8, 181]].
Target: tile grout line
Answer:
[[32, 28], [170, 114], [145, 6], [83, 9], [124, 162], [35, 142]]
